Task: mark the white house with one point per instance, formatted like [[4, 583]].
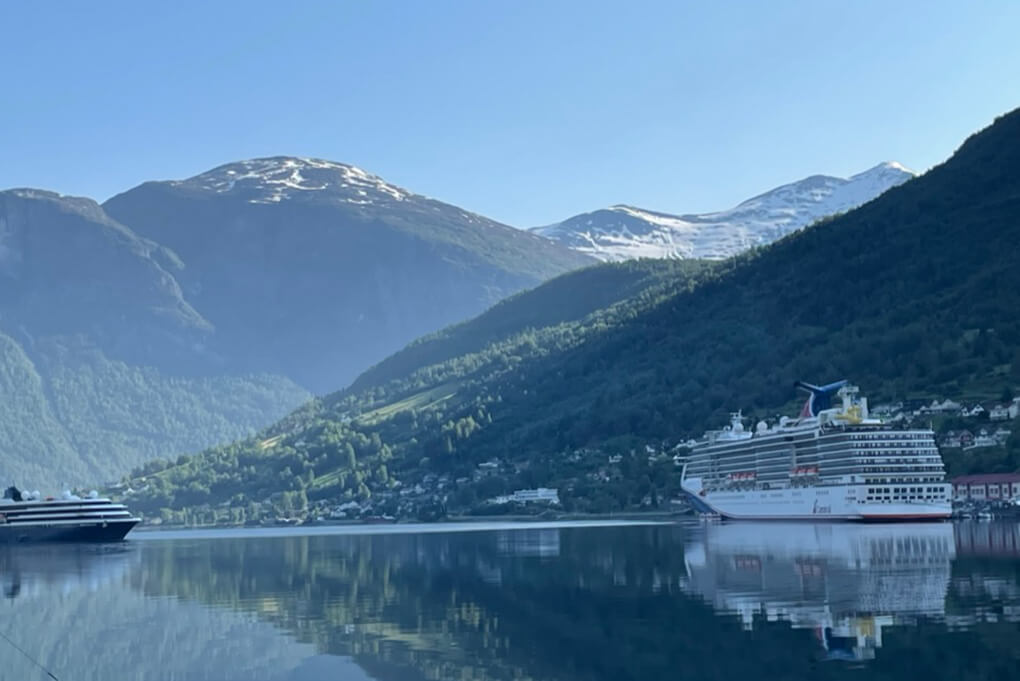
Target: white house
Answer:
[[983, 439], [526, 496], [1000, 412], [885, 410], [944, 407]]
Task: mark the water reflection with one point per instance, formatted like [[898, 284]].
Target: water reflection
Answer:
[[74, 609], [997, 539], [32, 571], [713, 601], [846, 583]]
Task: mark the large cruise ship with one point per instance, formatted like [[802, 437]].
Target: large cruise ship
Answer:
[[27, 518], [830, 463]]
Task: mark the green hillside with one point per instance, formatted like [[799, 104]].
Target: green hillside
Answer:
[[73, 416], [912, 295], [32, 441]]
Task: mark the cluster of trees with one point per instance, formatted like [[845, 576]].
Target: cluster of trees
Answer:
[[72, 416], [883, 295]]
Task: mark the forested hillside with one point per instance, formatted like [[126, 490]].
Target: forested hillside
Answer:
[[73, 416], [912, 295]]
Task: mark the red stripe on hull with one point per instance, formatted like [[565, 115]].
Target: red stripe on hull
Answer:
[[838, 518], [907, 516], [858, 518]]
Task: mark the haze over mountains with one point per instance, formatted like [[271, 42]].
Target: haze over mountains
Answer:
[[623, 232], [182, 314], [316, 270]]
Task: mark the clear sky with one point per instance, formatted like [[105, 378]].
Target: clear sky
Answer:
[[525, 111]]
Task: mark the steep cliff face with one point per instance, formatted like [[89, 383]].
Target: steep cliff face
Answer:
[[68, 268]]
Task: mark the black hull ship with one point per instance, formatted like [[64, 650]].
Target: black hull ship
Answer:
[[69, 519]]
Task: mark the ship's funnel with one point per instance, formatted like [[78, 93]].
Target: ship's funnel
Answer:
[[820, 398]]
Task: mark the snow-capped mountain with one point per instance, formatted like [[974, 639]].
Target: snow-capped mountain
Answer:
[[316, 270], [623, 232], [280, 178]]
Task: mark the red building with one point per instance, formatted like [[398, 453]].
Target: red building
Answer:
[[986, 487]]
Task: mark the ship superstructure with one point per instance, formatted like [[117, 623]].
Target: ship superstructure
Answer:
[[831, 462]]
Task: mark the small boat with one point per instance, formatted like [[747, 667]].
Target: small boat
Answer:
[[24, 517]]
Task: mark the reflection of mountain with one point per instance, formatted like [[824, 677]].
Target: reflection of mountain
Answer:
[[610, 603], [845, 582], [71, 608], [579, 604], [476, 605]]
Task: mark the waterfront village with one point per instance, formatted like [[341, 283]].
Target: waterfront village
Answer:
[[962, 431]]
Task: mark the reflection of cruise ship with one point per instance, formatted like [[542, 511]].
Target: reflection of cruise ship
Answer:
[[41, 569], [830, 463], [845, 582]]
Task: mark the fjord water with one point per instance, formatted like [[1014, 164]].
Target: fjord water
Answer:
[[693, 600]]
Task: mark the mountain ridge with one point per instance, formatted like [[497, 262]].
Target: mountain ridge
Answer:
[[240, 291], [623, 231], [267, 240]]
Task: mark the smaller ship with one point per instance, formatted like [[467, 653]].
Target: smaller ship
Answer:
[[24, 517]]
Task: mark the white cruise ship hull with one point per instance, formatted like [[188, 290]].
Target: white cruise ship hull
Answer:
[[825, 502]]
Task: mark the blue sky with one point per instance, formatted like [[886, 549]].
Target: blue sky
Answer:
[[525, 111]]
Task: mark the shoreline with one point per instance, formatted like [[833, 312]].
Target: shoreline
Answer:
[[632, 516]]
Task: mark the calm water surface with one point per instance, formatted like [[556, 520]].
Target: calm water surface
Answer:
[[689, 601]]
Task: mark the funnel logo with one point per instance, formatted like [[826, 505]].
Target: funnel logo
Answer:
[[820, 397]]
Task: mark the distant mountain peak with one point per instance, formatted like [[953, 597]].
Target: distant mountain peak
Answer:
[[890, 169], [278, 178], [622, 232]]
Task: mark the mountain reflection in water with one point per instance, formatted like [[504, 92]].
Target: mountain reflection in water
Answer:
[[704, 601]]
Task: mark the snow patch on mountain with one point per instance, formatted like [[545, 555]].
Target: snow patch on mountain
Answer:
[[624, 232], [280, 178]]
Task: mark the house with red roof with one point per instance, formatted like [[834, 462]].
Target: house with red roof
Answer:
[[986, 487]]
